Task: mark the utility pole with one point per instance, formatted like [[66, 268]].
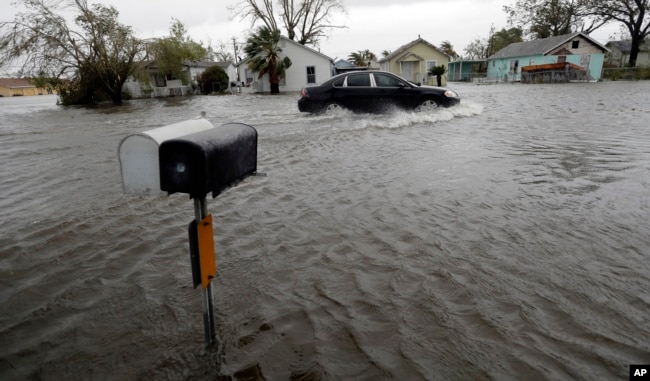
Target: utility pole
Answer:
[[234, 46]]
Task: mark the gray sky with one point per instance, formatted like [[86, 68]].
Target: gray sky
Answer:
[[370, 24]]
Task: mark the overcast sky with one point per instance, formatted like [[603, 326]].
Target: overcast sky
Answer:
[[370, 24]]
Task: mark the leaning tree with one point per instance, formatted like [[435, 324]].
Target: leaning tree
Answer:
[[85, 61], [265, 56]]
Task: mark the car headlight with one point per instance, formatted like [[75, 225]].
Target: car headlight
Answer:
[[451, 94]]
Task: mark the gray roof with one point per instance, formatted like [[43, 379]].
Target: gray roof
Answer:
[[206, 64], [344, 64], [625, 46], [542, 46]]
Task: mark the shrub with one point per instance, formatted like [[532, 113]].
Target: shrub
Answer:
[[213, 79]]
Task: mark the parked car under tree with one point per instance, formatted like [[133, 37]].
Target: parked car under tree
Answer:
[[373, 91]]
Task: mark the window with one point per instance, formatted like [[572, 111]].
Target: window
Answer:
[[384, 80], [575, 44], [311, 74], [339, 82], [358, 80], [431, 64]]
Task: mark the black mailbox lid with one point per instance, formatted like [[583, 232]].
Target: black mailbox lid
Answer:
[[208, 161]]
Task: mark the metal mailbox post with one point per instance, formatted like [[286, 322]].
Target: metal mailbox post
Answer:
[[196, 158]]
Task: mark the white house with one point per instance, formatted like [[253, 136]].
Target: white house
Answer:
[[160, 85], [619, 54], [308, 67], [197, 68]]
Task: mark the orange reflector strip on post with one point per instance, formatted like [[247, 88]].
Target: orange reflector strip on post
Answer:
[[207, 256]]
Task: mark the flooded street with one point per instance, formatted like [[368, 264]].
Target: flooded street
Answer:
[[503, 239]]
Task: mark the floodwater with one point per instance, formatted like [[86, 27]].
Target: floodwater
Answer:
[[504, 239]]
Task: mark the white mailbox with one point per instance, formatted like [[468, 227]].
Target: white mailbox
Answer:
[[138, 154]]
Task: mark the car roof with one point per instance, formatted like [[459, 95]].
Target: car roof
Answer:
[[334, 78]]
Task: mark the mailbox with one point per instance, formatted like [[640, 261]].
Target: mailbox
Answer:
[[138, 155], [208, 161]]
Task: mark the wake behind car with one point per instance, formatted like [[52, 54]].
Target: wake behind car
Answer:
[[373, 91]]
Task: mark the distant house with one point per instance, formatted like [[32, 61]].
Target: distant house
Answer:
[[157, 84], [197, 68], [413, 60], [343, 66], [576, 52], [308, 67], [15, 87], [465, 70], [619, 55]]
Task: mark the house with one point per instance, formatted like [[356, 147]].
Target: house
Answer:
[[308, 67], [619, 55], [196, 69], [413, 60], [581, 55], [343, 66], [155, 84], [12, 87], [466, 70]]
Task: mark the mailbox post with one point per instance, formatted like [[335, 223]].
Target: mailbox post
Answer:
[[206, 262], [195, 158]]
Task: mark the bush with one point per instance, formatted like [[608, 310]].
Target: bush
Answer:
[[626, 73], [213, 79]]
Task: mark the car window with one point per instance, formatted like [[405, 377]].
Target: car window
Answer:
[[359, 80], [384, 80], [339, 82]]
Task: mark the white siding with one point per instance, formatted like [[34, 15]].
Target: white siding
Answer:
[[296, 76]]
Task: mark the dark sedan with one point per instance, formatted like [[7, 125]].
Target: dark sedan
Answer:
[[373, 91]]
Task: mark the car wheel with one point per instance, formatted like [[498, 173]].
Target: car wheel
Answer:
[[428, 105], [332, 108]]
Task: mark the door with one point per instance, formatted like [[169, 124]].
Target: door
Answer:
[[391, 91], [408, 70], [584, 61], [357, 94]]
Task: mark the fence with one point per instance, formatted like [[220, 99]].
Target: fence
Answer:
[[556, 76]]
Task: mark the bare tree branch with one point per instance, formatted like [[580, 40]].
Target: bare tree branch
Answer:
[[305, 21]]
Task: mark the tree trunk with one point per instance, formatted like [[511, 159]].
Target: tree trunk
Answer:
[[116, 97], [116, 93], [275, 88], [439, 79], [634, 50]]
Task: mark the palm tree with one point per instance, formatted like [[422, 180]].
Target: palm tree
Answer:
[[362, 57], [448, 48], [438, 71], [265, 56]]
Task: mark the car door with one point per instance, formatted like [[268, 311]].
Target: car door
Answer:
[[392, 91], [357, 94]]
